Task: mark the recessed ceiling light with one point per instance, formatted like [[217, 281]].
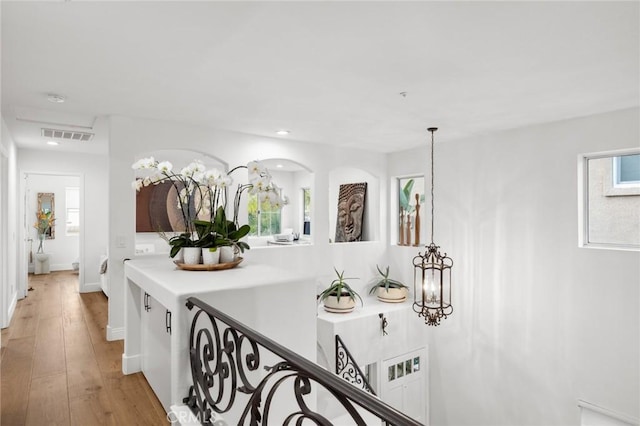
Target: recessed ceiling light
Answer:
[[52, 143], [283, 132], [279, 166], [56, 99]]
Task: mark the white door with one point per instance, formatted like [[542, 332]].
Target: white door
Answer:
[[403, 384]]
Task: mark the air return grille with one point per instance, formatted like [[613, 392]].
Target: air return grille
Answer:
[[67, 135]]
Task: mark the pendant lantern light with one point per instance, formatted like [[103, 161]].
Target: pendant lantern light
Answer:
[[432, 274]]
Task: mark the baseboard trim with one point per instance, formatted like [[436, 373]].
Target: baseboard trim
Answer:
[[60, 267], [131, 364], [10, 310], [115, 333], [90, 288]]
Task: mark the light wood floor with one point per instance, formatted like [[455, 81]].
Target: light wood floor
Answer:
[[57, 367]]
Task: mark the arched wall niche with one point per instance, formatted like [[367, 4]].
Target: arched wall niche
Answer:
[[371, 223], [182, 157], [292, 177]]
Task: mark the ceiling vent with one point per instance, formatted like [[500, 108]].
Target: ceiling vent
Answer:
[[66, 135]]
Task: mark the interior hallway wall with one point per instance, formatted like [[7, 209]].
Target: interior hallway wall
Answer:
[[9, 226], [538, 322]]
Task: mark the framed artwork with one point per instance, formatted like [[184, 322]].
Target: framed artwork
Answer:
[[46, 203], [157, 209], [351, 200]]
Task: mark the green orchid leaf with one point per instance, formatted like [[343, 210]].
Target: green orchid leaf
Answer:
[[241, 232], [242, 246], [174, 251]]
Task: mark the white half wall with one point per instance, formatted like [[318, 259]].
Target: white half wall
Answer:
[[538, 323]]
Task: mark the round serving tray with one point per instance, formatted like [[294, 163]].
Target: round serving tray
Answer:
[[214, 267]]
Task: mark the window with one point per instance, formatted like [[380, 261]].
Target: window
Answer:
[[626, 171], [264, 218], [306, 211], [610, 200], [72, 203]]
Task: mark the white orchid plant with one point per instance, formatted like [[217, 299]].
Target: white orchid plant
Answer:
[[204, 194]]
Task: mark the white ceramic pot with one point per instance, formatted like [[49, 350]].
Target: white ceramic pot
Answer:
[[393, 295], [227, 254], [211, 256], [179, 257], [346, 304], [192, 255]]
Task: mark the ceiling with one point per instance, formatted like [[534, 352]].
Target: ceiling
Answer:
[[371, 75]]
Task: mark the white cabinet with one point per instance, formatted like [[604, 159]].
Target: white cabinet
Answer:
[[385, 356], [156, 347], [403, 383], [251, 294]]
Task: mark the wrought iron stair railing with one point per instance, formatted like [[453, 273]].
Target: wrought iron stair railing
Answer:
[[348, 369], [225, 360]]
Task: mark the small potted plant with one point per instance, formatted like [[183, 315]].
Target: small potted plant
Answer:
[[207, 241], [387, 289], [183, 249], [339, 297], [228, 237]]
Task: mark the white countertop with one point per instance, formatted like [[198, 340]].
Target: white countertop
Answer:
[[372, 306], [158, 275]]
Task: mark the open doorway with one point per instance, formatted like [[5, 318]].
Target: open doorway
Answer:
[[57, 197]]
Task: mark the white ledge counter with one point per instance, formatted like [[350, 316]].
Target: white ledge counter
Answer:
[[275, 302]]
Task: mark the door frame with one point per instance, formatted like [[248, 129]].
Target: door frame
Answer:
[[24, 222]]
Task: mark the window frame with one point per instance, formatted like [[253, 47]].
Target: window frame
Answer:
[[306, 190], [68, 210], [583, 198], [616, 172], [259, 233]]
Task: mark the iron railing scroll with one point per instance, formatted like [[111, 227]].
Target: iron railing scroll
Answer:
[[226, 359], [348, 369]]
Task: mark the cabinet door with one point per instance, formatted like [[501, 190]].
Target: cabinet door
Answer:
[[403, 383], [156, 349]]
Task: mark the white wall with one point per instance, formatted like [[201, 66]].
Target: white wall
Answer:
[[8, 227], [538, 322], [92, 170], [131, 137], [63, 249]]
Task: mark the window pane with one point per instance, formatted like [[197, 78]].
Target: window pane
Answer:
[[263, 221], [306, 196], [72, 203], [613, 212], [629, 169]]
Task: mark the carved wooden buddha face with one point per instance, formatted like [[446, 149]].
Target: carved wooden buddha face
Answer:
[[350, 212]]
